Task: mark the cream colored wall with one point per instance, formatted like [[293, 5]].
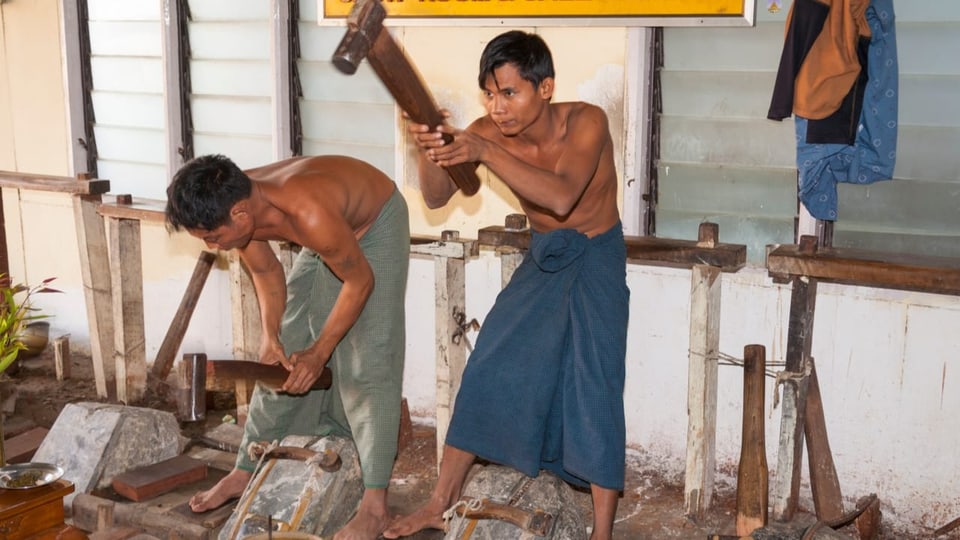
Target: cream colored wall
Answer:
[[33, 134], [35, 106], [448, 60]]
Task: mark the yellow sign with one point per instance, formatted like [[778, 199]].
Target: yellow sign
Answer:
[[546, 8]]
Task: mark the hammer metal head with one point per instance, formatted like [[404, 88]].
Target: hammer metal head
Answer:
[[193, 384], [364, 24]]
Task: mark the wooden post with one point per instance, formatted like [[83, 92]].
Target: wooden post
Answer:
[[126, 274], [752, 473], [702, 389], [451, 358], [702, 379], [94, 267], [803, 298], [61, 357], [449, 254], [181, 319], [246, 312]]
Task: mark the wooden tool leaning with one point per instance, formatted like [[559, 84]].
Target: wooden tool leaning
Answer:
[[367, 38]]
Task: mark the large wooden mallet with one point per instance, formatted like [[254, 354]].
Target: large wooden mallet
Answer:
[[367, 38]]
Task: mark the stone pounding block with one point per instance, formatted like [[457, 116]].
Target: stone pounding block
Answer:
[[94, 442], [297, 495], [546, 493]]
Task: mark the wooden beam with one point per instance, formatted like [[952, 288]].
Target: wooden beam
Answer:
[[129, 341], [849, 266], [181, 319], [647, 250], [702, 389], [149, 210], [58, 184], [94, 268]]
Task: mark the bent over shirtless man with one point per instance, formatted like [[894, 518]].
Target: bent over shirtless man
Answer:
[[342, 304], [543, 388]]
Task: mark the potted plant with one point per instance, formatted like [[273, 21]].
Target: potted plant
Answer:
[[15, 314]]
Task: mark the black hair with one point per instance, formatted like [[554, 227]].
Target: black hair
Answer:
[[526, 51], [203, 191]]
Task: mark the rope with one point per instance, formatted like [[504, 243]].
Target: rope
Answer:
[[246, 498], [791, 377], [724, 359], [452, 520]]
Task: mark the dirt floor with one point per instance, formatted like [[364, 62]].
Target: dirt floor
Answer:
[[651, 506]]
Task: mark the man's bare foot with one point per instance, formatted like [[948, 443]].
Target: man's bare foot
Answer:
[[371, 519], [428, 516], [229, 487]]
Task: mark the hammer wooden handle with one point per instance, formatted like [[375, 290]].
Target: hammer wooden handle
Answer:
[[366, 37], [222, 375]]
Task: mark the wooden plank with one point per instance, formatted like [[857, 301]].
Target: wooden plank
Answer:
[[140, 209], [61, 358], [147, 482], [648, 250], [786, 490], [58, 184], [139, 515], [94, 267], [868, 268], [215, 459], [702, 389], [115, 533], [225, 437], [752, 473], [454, 247], [824, 483], [126, 275], [20, 448], [181, 319]]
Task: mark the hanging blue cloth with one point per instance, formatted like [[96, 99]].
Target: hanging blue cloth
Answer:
[[873, 155]]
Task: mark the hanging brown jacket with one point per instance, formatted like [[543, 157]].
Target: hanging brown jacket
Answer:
[[819, 64]]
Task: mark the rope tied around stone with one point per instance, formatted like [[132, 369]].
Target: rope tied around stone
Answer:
[[452, 520]]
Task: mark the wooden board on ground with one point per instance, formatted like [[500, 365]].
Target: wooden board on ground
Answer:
[[226, 437], [146, 482], [20, 449], [215, 459], [210, 519]]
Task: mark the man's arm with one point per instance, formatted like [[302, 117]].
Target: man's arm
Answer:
[[270, 284], [436, 185], [334, 240], [553, 178]]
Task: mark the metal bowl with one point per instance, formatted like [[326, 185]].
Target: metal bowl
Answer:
[[29, 475]]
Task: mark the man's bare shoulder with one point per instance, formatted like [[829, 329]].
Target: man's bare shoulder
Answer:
[[577, 112]]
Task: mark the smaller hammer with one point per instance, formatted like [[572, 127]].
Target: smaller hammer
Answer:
[[197, 375]]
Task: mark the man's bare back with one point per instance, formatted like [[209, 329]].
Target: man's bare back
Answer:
[[306, 191]]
